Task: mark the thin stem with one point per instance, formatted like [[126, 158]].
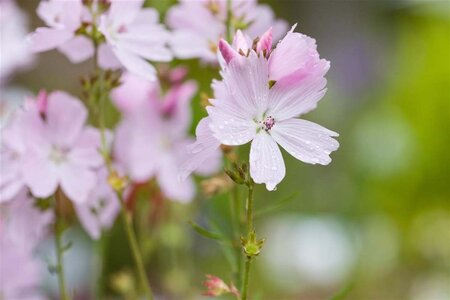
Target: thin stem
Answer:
[[59, 248], [248, 263], [249, 207], [135, 249], [229, 21], [235, 222]]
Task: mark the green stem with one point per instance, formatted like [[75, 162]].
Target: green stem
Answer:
[[135, 249], [59, 249], [229, 22], [235, 222], [248, 263]]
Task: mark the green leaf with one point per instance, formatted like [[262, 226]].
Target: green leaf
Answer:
[[206, 233], [276, 206]]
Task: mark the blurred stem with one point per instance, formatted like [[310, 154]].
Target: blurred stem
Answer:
[[59, 248], [248, 263], [235, 222], [229, 22], [135, 248]]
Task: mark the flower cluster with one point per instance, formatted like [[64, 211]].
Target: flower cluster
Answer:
[[56, 147]]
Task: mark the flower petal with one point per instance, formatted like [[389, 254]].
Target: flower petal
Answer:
[[172, 188], [136, 64], [77, 182], [41, 175], [266, 162], [306, 141], [247, 80], [44, 39], [106, 57], [77, 49], [86, 151], [205, 148], [288, 98], [66, 116]]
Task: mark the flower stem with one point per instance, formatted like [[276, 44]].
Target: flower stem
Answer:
[[235, 222], [135, 249], [229, 22], [248, 263], [59, 248]]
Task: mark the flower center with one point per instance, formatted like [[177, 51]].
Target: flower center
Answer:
[[58, 155], [268, 123]]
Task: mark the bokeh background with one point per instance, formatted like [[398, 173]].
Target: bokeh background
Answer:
[[375, 224]]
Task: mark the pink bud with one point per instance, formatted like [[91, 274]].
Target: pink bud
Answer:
[[177, 74], [265, 42], [227, 51], [42, 100], [216, 287]]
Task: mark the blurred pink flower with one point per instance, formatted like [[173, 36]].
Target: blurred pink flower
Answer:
[[13, 30], [63, 19], [199, 24], [12, 150], [101, 209], [131, 34], [152, 138], [58, 149], [23, 223], [259, 100], [22, 227], [217, 287]]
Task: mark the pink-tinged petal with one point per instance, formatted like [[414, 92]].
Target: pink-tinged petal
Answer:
[[61, 14], [265, 42], [241, 42], [295, 51], [9, 190], [266, 162], [147, 16], [182, 191], [288, 100], [176, 106], [44, 39], [77, 49], [40, 175], [246, 80], [124, 12], [134, 149], [77, 182], [146, 50], [86, 150], [306, 141], [101, 209], [134, 93], [230, 129], [228, 53], [136, 64], [106, 57], [206, 147], [186, 44], [66, 116]]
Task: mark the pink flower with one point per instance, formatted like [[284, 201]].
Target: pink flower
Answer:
[[13, 30], [64, 19], [23, 223], [151, 140], [133, 35], [129, 35], [22, 227], [198, 25], [217, 287], [60, 149], [101, 209], [259, 100]]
